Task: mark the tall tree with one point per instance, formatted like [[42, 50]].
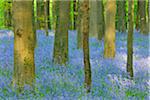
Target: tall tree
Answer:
[[93, 18], [130, 38], [24, 43], [8, 13], [54, 13], [148, 17], [79, 25], [142, 6], [109, 38], [46, 15], [137, 16], [87, 67], [100, 19], [40, 14], [60, 55], [75, 12], [121, 16]]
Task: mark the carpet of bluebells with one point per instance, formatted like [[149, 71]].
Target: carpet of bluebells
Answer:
[[109, 77]]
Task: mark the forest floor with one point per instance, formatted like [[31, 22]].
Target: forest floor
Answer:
[[109, 77]]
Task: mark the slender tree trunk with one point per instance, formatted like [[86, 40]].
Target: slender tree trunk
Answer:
[[109, 39], [8, 13], [55, 13], [100, 19], [121, 16], [137, 16], [87, 67], [79, 26], [40, 14], [48, 14], [148, 17], [75, 12], [60, 55], [46, 10], [142, 6], [130, 39], [93, 18], [24, 43]]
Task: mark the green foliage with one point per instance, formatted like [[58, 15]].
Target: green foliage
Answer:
[[136, 93], [1, 14]]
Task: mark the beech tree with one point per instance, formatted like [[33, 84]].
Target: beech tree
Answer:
[[93, 18], [60, 54], [142, 11], [46, 15], [137, 16], [121, 15], [75, 12], [87, 67], [109, 38], [40, 14], [79, 25], [24, 44], [130, 38], [100, 19], [8, 13]]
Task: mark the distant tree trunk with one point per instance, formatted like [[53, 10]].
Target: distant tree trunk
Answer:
[[40, 14], [8, 13], [148, 18], [60, 55], [71, 20], [87, 67], [75, 12], [54, 13], [93, 18], [109, 39], [100, 19], [79, 26], [142, 6], [121, 16], [24, 43], [46, 16], [137, 16], [130, 39]]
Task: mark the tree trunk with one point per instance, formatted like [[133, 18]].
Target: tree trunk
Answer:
[[93, 18], [74, 12], [87, 67], [40, 14], [121, 16], [54, 13], [142, 6], [109, 39], [148, 18], [46, 16], [79, 26], [24, 43], [100, 19], [60, 55], [130, 39], [137, 16], [8, 14]]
